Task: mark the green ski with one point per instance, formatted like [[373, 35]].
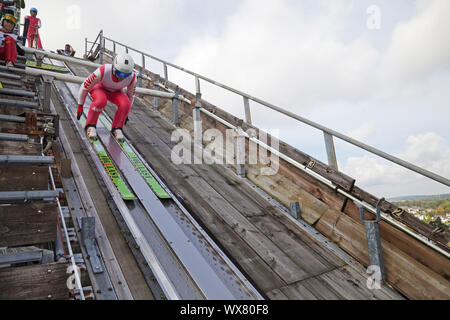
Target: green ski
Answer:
[[110, 168], [45, 66], [151, 181]]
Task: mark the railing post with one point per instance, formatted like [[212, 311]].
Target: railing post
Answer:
[[176, 120], [85, 46], [126, 50], [114, 48], [248, 116], [240, 150], [331, 152], [198, 135], [166, 74], [155, 99], [101, 47], [143, 62], [197, 88]]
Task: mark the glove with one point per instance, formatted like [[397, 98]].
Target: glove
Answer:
[[79, 111]]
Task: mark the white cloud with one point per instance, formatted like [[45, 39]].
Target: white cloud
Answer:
[[364, 132], [420, 46], [429, 151]]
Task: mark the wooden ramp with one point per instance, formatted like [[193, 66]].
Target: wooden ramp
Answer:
[[282, 260]]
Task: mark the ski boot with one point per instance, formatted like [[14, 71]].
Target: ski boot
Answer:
[[91, 132], [118, 134]]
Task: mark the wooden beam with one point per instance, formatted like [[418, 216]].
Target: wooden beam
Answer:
[[35, 282], [23, 178], [27, 224]]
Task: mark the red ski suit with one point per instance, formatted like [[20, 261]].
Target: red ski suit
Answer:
[[8, 49], [103, 86], [34, 22]]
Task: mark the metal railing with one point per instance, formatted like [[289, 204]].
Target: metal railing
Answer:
[[328, 133], [328, 136]]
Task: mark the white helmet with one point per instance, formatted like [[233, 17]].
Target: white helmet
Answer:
[[123, 64]]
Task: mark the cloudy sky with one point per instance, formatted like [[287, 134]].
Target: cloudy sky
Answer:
[[376, 70]]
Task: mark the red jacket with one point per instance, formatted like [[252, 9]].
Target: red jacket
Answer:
[[33, 23]]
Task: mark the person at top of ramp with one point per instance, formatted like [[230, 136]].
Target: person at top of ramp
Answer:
[[107, 84], [68, 51], [33, 27]]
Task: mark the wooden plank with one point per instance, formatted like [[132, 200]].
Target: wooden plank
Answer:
[[20, 148], [35, 282], [23, 178], [26, 224], [277, 294], [351, 285], [404, 273], [311, 289]]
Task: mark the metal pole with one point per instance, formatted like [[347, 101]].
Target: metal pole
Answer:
[[85, 46], [176, 120], [166, 74], [155, 99], [331, 152], [248, 116], [198, 135], [19, 104], [240, 151], [101, 46], [143, 62], [8, 160], [197, 88]]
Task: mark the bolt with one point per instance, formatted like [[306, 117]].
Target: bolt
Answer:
[[99, 291], [49, 271], [109, 289], [120, 282]]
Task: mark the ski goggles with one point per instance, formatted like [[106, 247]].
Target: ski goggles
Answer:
[[10, 18], [121, 74]]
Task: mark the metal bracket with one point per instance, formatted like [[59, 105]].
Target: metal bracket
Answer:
[[39, 58], [87, 225], [295, 210], [47, 91], [374, 240]]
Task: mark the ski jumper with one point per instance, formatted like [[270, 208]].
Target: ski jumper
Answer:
[[103, 87], [8, 48], [34, 22]]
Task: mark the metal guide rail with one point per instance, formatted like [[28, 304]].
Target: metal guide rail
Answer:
[[183, 258]]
